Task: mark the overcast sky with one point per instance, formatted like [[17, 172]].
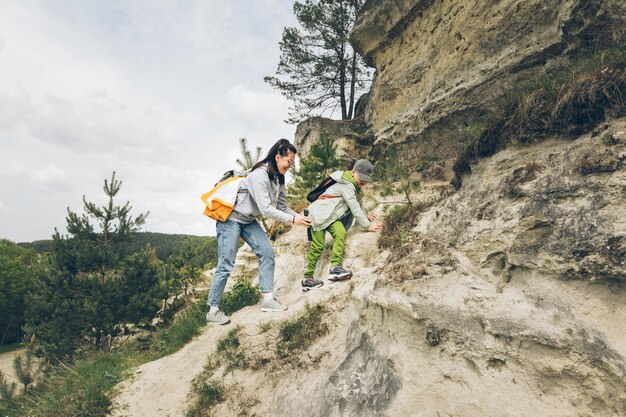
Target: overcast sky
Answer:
[[158, 90]]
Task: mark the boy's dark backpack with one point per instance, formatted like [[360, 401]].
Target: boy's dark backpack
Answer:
[[320, 189]]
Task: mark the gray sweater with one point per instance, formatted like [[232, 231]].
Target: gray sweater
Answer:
[[258, 195]]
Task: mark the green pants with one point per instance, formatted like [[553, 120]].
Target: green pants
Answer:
[[338, 232]]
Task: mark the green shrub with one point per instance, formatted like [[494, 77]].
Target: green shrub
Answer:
[[17, 277], [242, 294], [183, 328], [208, 393], [7, 390], [85, 388]]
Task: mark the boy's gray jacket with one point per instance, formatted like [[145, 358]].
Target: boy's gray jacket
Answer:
[[257, 196], [339, 199]]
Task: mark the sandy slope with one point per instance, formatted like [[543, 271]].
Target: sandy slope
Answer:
[[160, 388]]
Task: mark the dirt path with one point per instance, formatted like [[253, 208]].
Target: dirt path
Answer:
[[159, 388], [6, 364]]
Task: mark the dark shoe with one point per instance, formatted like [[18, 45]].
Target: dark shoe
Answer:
[[310, 283], [337, 273]]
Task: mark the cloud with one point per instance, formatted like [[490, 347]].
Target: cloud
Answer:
[[159, 91], [252, 104], [98, 122], [15, 107], [50, 176]]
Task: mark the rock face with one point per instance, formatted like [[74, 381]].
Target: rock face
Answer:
[[440, 64], [350, 136], [560, 211]]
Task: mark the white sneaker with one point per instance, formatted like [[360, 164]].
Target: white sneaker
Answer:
[[272, 305], [218, 317]]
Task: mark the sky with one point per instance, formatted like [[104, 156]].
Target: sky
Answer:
[[159, 91]]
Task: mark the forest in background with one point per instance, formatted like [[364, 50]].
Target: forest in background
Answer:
[[164, 244]]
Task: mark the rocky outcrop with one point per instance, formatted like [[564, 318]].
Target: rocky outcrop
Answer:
[[441, 64], [350, 137], [559, 211], [524, 288]]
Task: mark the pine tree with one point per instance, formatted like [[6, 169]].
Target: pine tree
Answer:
[[318, 68], [115, 226], [187, 272], [26, 367], [395, 171], [88, 290], [246, 161]]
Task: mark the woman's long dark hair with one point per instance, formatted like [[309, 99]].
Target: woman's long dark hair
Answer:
[[282, 148]]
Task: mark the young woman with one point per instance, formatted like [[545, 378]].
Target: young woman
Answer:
[[263, 188]]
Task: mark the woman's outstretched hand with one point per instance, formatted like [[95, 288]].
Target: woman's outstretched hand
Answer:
[[302, 220]]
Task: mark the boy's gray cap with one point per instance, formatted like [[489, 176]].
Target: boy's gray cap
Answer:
[[364, 168]]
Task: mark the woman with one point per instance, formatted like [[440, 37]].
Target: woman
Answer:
[[263, 187]]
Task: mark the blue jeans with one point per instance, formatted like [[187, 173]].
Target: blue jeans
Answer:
[[228, 233]]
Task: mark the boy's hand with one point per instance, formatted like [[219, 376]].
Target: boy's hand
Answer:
[[374, 227], [302, 220], [371, 217]]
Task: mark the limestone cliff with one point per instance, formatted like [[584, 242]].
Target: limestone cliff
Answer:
[[440, 64]]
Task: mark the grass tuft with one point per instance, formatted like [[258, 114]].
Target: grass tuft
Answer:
[[299, 333], [231, 352], [571, 99], [82, 389], [396, 231], [209, 392]]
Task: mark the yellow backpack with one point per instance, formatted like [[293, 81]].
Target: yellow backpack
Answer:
[[220, 201]]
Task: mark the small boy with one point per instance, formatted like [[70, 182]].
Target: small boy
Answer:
[[333, 211]]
